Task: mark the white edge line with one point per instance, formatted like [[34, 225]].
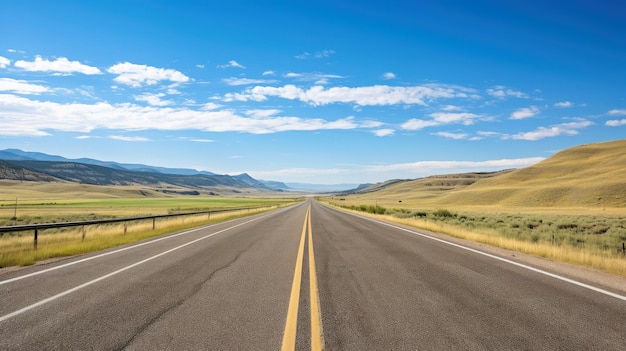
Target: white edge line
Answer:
[[552, 275], [119, 250], [91, 282]]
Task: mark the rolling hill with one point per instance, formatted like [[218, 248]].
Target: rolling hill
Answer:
[[592, 175]]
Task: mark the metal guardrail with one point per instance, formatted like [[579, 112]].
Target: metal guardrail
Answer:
[[37, 227]]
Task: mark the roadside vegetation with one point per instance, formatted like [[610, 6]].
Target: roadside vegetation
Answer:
[[17, 248], [594, 240]]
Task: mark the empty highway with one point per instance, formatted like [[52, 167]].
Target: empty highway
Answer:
[[305, 277]]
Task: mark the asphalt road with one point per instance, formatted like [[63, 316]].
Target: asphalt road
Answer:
[[303, 277]]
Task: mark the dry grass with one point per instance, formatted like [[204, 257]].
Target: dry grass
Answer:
[[18, 250], [606, 260]]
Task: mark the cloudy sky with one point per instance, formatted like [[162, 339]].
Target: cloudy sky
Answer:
[[319, 91]]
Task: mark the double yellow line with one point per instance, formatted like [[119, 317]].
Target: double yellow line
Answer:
[[289, 337]]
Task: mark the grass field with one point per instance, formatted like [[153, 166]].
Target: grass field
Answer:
[[65, 202], [570, 207], [588, 240]]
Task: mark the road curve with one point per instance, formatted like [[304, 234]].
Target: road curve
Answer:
[[307, 270]]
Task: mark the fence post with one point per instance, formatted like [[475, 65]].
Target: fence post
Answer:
[[125, 228], [35, 242], [153, 222], [83, 233], [624, 248]]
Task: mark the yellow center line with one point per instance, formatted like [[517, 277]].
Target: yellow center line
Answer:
[[289, 337], [316, 321]]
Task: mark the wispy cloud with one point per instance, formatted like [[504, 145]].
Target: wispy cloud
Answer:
[[617, 112], [616, 123], [315, 55], [4, 62], [502, 92], [383, 132], [388, 76], [153, 99], [441, 118], [269, 73], [136, 75], [526, 112], [450, 135], [564, 104], [246, 81], [60, 65], [570, 128], [318, 78], [360, 173], [127, 138], [21, 86], [378, 95], [32, 117], [231, 64]]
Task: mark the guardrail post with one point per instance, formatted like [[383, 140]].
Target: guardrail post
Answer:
[[624, 248], [125, 228], [83, 233], [35, 242], [153, 223]]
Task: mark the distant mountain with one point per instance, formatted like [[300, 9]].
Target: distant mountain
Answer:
[[320, 188], [19, 155], [100, 175], [275, 185]]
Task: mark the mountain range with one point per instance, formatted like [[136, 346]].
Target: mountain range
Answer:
[[35, 166]]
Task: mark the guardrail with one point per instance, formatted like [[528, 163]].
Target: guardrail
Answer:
[[37, 227]]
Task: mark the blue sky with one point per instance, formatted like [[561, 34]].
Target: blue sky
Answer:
[[320, 92]]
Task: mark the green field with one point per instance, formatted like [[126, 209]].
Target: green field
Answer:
[[64, 202]]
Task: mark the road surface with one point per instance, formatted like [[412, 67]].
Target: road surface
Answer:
[[305, 277]]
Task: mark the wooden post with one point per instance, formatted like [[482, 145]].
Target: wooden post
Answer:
[[153, 223], [83, 233], [36, 233], [125, 228]]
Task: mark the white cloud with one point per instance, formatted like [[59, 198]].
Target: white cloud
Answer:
[[616, 123], [570, 128], [525, 112], [126, 138], [617, 112], [388, 75], [383, 132], [136, 75], [231, 64], [4, 62], [449, 135], [440, 118], [502, 92], [200, 66], [318, 78], [21, 86], [431, 167], [417, 124], [454, 117], [378, 95], [246, 81], [60, 65], [153, 99], [317, 55], [564, 104], [262, 113], [269, 73], [32, 117]]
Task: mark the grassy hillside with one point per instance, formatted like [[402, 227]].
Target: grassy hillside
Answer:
[[585, 176]]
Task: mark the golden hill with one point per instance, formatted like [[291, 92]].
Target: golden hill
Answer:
[[592, 175]]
